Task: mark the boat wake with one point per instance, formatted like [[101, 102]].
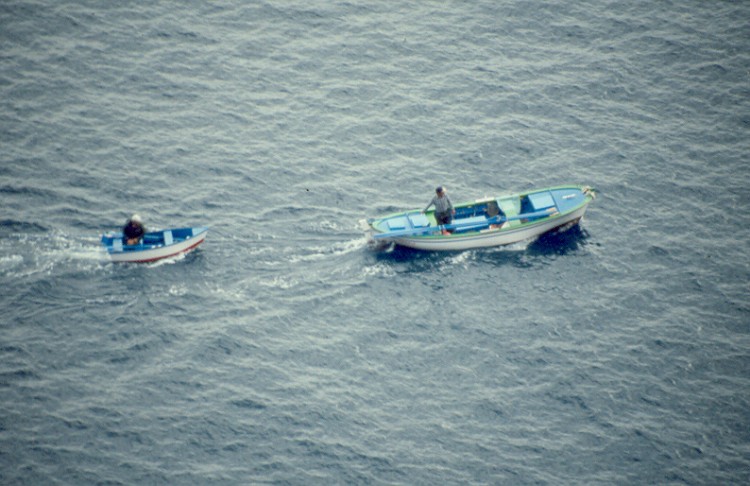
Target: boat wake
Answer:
[[379, 245], [167, 261], [512, 248], [25, 255], [322, 252]]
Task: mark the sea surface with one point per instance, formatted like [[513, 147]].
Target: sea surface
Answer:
[[288, 350]]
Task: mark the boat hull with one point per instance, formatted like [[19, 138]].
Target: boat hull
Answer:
[[186, 240], [490, 238]]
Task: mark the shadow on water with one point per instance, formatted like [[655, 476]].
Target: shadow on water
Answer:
[[561, 242], [547, 247]]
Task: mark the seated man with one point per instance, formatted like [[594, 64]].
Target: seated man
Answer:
[[133, 230]]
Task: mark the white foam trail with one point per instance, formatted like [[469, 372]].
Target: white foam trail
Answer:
[[168, 261]]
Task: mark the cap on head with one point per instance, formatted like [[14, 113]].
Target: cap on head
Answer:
[[440, 189], [136, 219]]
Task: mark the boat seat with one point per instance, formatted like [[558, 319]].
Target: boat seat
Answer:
[[541, 201], [117, 244], [470, 224], [397, 223], [510, 206], [419, 220], [168, 239]]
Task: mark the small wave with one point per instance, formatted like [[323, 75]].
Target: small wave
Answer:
[[21, 226], [87, 253], [337, 249], [327, 227], [11, 262], [379, 245], [378, 270], [279, 282], [177, 290], [513, 247], [460, 258], [167, 261], [230, 293], [26, 191], [350, 246]]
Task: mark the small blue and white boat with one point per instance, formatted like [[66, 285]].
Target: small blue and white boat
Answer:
[[487, 222], [154, 245]]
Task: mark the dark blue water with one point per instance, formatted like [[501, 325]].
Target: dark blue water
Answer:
[[285, 350]]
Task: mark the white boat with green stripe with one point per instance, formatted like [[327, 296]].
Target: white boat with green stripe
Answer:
[[487, 222]]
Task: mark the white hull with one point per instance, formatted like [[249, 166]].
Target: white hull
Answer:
[[154, 254], [495, 237]]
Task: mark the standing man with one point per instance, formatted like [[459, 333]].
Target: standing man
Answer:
[[443, 207]]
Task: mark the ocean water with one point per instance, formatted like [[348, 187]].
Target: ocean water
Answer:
[[286, 350]]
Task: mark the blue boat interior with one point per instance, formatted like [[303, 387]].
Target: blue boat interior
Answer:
[[476, 217], [115, 242]]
